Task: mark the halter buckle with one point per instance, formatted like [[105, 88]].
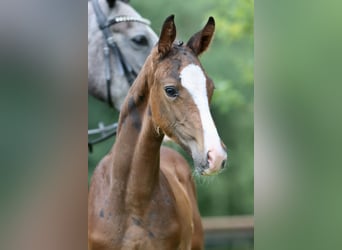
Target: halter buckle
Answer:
[[110, 40]]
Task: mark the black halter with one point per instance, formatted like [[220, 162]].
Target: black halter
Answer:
[[124, 68]]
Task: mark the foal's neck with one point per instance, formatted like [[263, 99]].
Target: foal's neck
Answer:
[[137, 148]]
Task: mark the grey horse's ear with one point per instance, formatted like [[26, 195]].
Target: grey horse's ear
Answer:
[[111, 3], [200, 41], [167, 36]]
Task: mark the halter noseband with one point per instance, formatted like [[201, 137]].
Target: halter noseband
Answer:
[[123, 67]]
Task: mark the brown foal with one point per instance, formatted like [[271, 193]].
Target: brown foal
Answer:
[[142, 195]]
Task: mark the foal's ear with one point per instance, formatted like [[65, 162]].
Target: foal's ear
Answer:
[[167, 35], [201, 40]]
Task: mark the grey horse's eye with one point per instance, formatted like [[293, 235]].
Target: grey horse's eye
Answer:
[[140, 40]]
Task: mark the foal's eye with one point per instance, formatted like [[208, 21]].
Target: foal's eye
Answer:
[[140, 40], [171, 91]]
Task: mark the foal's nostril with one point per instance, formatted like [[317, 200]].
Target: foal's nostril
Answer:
[[223, 164]]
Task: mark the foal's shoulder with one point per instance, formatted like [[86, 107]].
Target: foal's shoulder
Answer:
[[173, 161]]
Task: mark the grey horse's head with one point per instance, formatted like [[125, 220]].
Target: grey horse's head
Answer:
[[134, 39]]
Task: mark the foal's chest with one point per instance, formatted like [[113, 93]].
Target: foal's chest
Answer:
[[166, 224]]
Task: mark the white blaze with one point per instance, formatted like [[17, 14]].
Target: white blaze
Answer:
[[194, 80]]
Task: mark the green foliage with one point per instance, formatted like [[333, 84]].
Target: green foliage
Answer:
[[99, 112], [230, 63], [234, 18]]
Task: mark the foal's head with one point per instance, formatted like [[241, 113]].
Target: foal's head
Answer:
[[180, 96]]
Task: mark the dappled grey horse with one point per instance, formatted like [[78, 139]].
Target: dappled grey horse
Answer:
[[119, 40]]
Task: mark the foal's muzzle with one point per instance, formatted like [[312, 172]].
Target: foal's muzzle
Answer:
[[216, 161]]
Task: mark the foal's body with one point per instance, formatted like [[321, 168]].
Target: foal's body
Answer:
[[142, 189], [142, 195], [170, 220]]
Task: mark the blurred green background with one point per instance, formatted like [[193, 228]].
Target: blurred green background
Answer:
[[230, 63]]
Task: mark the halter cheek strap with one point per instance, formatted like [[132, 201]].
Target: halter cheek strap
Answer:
[[123, 67]]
